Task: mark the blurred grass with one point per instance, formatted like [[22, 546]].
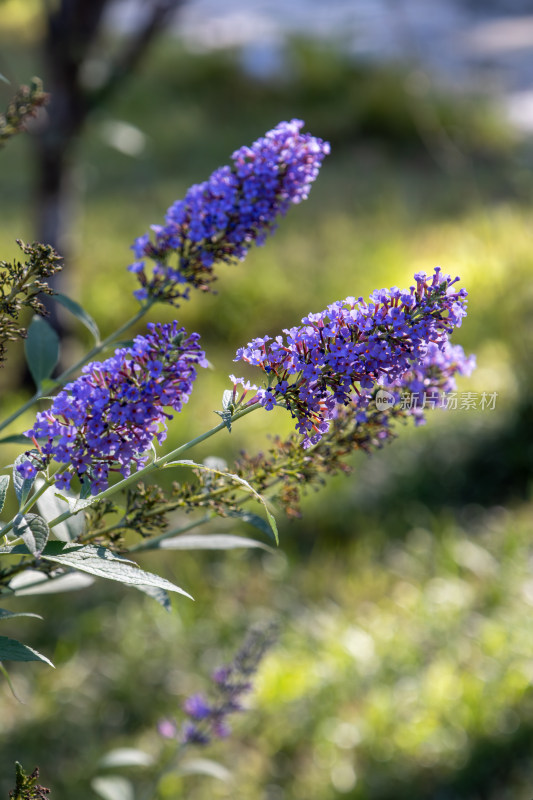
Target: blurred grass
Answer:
[[405, 665]]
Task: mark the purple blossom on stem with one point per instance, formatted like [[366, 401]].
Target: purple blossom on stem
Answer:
[[428, 380], [108, 417], [167, 728], [197, 707], [220, 219], [208, 718], [425, 382], [338, 356]]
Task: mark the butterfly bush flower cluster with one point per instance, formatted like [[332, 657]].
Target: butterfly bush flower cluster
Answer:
[[208, 717], [220, 219], [364, 424], [429, 380], [107, 418], [338, 356]]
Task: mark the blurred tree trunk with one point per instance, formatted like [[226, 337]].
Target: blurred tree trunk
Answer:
[[73, 30]]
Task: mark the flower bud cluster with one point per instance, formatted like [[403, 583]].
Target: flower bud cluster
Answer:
[[220, 219], [21, 287], [108, 417], [338, 356]]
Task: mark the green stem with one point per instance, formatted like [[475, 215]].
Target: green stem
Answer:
[[63, 378], [159, 463]]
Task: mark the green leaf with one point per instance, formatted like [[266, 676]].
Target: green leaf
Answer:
[[42, 349], [22, 485], [211, 541], [252, 519], [113, 787], [5, 614], [14, 550], [76, 504], [157, 594], [237, 479], [53, 548], [34, 531], [80, 313], [126, 757], [32, 582], [12, 650], [16, 438], [205, 766], [52, 505], [4, 484], [105, 564], [85, 491], [5, 673]]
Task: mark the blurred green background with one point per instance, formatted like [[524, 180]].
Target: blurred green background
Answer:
[[404, 593]]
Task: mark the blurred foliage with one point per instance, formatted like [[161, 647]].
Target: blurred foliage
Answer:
[[404, 593]]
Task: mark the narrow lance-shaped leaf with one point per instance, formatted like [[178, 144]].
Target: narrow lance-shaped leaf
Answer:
[[204, 766], [157, 594], [4, 484], [5, 614], [32, 582], [237, 479], [13, 650], [103, 563], [80, 313], [42, 349], [15, 438], [209, 541], [126, 757], [5, 673], [252, 519]]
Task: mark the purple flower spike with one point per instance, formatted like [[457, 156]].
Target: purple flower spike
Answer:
[[337, 357], [219, 220], [208, 720], [108, 418]]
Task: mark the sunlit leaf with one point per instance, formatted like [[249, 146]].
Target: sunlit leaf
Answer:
[[103, 563], [126, 757], [210, 541], [32, 582], [113, 787], [5, 614], [205, 766], [51, 505]]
